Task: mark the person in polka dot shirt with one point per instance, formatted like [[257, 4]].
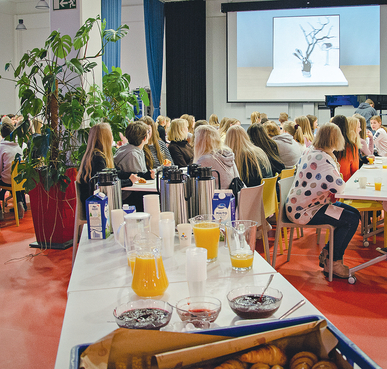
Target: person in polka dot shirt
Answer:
[[310, 198]]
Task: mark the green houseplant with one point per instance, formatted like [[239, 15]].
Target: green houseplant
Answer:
[[57, 87]]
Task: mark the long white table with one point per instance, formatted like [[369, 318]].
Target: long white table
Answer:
[[103, 264], [150, 186], [353, 191], [101, 280]]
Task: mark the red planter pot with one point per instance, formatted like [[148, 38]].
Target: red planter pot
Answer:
[[53, 214]]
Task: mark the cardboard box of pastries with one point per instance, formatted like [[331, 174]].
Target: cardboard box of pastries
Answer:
[[310, 345]]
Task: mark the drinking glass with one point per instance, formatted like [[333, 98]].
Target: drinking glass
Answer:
[[378, 183]]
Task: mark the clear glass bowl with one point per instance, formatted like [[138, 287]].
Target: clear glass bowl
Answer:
[[200, 311], [143, 314], [245, 302]]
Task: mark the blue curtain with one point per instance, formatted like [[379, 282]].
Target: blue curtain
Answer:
[[154, 35], [111, 11]]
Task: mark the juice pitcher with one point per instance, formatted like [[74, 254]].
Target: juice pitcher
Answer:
[[149, 277]]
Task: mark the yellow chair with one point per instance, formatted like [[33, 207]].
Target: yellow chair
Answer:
[[15, 187], [364, 207], [270, 202], [248, 197]]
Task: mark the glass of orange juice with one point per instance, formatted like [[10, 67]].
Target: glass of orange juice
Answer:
[[206, 230], [370, 159], [378, 183], [241, 237]]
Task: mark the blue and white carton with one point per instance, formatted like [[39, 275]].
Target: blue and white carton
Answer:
[[223, 205], [97, 213]]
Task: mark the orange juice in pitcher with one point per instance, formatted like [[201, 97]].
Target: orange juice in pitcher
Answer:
[[149, 277]]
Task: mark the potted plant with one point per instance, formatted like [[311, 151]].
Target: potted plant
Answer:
[[54, 89]]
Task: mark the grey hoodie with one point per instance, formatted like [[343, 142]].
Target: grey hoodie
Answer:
[[223, 162], [130, 159], [367, 111], [8, 150], [288, 148]]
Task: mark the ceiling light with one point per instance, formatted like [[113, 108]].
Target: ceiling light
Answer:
[[42, 4], [21, 26]]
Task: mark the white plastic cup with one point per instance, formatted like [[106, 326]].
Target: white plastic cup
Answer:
[[363, 182], [167, 234], [167, 215], [185, 234], [117, 218], [196, 270]]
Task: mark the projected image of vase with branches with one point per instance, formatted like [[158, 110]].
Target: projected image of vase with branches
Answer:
[[315, 37]]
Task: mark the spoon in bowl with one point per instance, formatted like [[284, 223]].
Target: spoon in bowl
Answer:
[[267, 286]]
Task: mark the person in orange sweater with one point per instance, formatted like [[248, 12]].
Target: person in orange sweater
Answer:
[[348, 158]]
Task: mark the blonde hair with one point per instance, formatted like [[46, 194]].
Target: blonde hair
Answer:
[[272, 128], [223, 122], [190, 119], [230, 122], [352, 131], [304, 123], [295, 130], [363, 125], [176, 131], [160, 120], [207, 140], [214, 120], [283, 117], [255, 117], [99, 143], [247, 155], [153, 140], [329, 136]]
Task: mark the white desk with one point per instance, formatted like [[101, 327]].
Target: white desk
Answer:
[[103, 264], [150, 186], [89, 314]]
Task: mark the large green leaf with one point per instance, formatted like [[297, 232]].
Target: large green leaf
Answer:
[[112, 35], [61, 46]]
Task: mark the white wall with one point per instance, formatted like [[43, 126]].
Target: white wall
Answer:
[[133, 62]]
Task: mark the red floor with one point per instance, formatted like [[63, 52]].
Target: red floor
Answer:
[[33, 288]]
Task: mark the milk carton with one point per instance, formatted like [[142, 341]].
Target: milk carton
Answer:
[[223, 205], [97, 213]]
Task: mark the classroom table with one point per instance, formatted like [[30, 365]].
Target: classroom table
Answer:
[[353, 191], [149, 186]]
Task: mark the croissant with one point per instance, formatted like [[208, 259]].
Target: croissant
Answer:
[[303, 360], [233, 364], [268, 354], [324, 364], [277, 367], [260, 366]]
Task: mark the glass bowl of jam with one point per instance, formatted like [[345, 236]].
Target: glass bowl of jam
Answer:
[[200, 311], [143, 314], [249, 303]]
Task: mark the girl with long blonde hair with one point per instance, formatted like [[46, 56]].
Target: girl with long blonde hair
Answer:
[[304, 123], [251, 161]]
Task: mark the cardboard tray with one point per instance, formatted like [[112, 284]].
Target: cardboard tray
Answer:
[[354, 356]]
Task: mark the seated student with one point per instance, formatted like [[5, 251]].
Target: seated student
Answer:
[[158, 149], [303, 122], [380, 136], [354, 130], [161, 125], [181, 151], [288, 149], [366, 149], [211, 152], [223, 130], [296, 132], [8, 150], [255, 117], [309, 198], [251, 161], [97, 157], [130, 158], [260, 138], [213, 120], [283, 117], [313, 123], [191, 123], [349, 157]]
